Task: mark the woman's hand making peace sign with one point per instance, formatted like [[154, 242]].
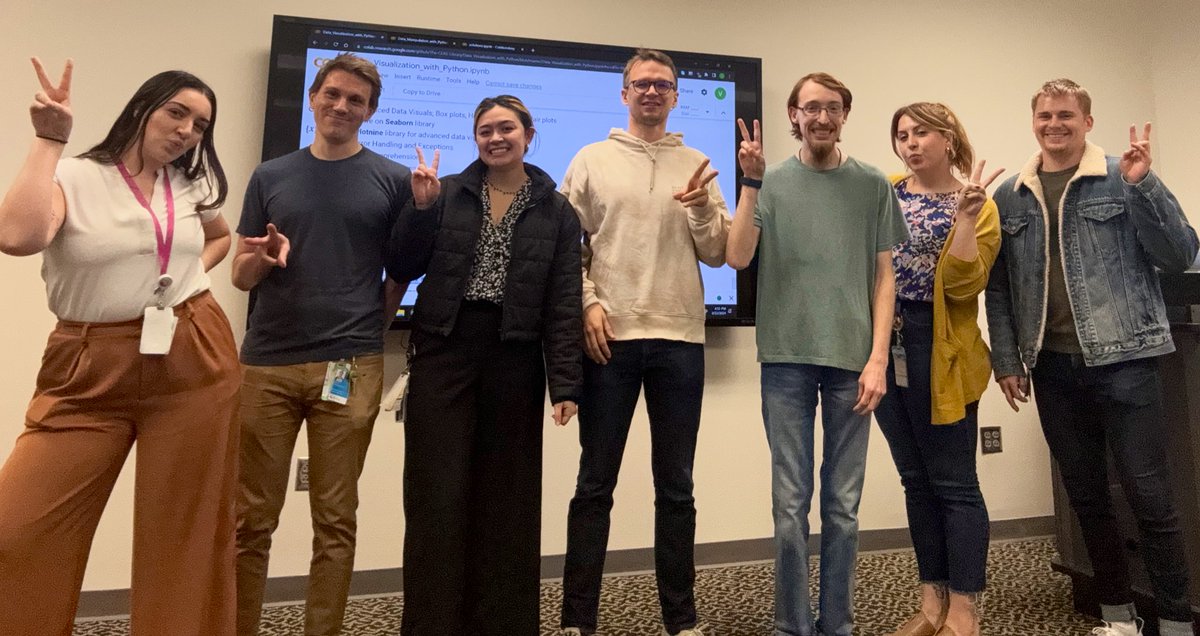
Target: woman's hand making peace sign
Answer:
[[51, 107]]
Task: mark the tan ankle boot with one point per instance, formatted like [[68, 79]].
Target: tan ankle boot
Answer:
[[917, 626]]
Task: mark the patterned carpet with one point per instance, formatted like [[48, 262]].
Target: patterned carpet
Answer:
[[1024, 598]]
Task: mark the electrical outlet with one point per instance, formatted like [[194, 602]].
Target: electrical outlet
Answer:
[[301, 473], [990, 439]]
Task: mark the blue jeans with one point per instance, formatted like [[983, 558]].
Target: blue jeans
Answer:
[[673, 375], [789, 397], [1118, 406], [947, 518]]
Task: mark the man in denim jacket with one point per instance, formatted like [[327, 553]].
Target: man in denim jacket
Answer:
[[1074, 304]]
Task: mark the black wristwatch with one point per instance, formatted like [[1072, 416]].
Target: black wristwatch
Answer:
[[753, 183]]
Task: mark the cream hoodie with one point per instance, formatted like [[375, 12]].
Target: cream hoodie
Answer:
[[642, 248]]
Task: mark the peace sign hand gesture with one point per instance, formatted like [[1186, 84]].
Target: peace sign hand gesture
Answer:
[[695, 195], [1135, 163], [750, 152], [973, 195], [51, 107], [425, 184]]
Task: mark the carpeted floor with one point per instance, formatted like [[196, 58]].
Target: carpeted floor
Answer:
[[1024, 598]]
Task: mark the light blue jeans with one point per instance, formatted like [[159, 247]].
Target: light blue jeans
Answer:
[[789, 397]]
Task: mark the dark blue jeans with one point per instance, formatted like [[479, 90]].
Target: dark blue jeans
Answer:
[[673, 375], [947, 518], [1119, 406]]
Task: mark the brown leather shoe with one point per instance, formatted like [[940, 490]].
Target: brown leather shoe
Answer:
[[945, 631], [917, 626]]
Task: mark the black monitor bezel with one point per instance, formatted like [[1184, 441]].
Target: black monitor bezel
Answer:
[[286, 77]]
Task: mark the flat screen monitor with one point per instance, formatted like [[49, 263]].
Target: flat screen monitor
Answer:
[[433, 80]]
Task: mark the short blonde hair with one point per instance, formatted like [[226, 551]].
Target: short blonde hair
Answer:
[[1063, 86], [649, 55], [939, 117]]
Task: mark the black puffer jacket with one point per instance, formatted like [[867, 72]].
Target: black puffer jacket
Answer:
[[543, 288]]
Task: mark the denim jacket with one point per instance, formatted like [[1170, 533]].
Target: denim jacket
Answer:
[[1113, 235]]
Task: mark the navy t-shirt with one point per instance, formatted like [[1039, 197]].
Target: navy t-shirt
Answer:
[[327, 303]]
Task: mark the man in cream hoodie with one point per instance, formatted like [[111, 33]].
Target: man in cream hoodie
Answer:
[[649, 209]]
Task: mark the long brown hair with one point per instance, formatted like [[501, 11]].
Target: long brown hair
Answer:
[[130, 129]]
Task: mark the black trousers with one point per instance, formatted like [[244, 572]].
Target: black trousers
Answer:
[[472, 481], [1086, 410]]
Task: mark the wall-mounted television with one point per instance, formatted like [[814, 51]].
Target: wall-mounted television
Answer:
[[432, 81]]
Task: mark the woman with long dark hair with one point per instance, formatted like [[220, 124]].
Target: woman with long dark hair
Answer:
[[498, 318], [939, 364], [141, 352]]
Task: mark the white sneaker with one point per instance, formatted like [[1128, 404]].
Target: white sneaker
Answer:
[[699, 630], [1120, 628]]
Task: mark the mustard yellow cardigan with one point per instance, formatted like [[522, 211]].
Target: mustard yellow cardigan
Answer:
[[961, 366]]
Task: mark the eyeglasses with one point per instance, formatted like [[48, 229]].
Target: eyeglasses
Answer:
[[813, 109], [662, 87]]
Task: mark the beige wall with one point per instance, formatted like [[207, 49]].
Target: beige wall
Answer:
[[983, 60]]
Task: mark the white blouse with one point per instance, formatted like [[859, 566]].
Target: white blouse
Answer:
[[103, 264]]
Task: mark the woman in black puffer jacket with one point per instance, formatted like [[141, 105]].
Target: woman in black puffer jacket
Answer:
[[498, 318]]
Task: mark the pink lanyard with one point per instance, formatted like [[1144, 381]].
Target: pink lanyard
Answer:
[[163, 243]]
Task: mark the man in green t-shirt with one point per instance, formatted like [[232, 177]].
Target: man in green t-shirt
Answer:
[[823, 225]]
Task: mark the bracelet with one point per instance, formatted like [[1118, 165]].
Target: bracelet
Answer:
[[753, 183], [49, 138]]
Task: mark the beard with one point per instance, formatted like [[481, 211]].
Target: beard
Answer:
[[823, 149], [821, 152]]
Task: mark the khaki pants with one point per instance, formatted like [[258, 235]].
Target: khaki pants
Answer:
[[275, 400], [95, 396]]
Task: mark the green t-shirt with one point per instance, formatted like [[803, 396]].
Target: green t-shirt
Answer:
[[820, 233], [1060, 320]]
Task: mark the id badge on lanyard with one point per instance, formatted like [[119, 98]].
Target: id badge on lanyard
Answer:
[[899, 356], [158, 321]]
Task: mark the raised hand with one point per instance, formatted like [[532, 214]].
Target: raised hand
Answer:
[[1135, 163], [973, 195], [750, 152], [51, 107], [695, 194], [272, 248], [425, 184]]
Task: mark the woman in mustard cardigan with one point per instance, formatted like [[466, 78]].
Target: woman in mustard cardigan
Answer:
[[939, 364]]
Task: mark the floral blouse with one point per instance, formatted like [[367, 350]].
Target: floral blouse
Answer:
[[494, 250], [929, 217]]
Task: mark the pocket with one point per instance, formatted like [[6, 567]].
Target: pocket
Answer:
[[1014, 225], [56, 379], [60, 362], [1103, 223], [1101, 209]]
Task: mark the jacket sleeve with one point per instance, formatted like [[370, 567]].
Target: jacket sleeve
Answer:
[[965, 280], [1162, 229], [562, 343], [410, 246], [1006, 357], [709, 226]]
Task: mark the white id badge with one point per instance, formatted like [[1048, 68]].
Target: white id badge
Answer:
[[158, 329], [900, 366], [397, 395], [337, 383]]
